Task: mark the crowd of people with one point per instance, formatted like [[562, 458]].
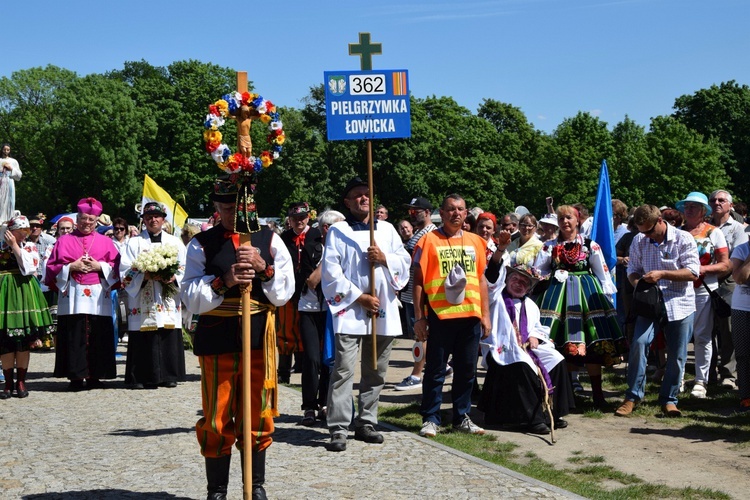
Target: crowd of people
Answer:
[[539, 303], [532, 300]]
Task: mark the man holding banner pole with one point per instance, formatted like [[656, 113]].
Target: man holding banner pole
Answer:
[[347, 283], [218, 270]]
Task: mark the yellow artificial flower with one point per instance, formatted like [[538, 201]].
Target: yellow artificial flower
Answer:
[[212, 136], [223, 107], [265, 118]]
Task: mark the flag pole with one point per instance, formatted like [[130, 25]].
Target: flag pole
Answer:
[[373, 290]]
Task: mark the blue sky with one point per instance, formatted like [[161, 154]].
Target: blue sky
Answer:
[[551, 58]]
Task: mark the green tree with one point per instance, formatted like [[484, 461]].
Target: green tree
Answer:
[[680, 162], [74, 137], [29, 121], [722, 113], [630, 163], [574, 160], [522, 149], [175, 102]]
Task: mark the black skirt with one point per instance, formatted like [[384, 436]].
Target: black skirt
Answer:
[[85, 347], [155, 357], [512, 394]]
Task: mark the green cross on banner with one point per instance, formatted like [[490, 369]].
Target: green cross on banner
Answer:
[[365, 50]]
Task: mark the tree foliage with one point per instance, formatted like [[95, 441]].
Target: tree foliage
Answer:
[[722, 113], [99, 134]]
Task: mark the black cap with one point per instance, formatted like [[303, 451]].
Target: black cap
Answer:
[[154, 208], [420, 203], [355, 182], [225, 189], [299, 208]]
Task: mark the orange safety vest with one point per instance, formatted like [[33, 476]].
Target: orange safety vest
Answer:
[[437, 256]]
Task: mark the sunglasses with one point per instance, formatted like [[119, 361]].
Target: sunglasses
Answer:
[[119, 229], [653, 228]]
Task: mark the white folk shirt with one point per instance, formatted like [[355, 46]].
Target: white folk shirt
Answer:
[[198, 296], [166, 311], [346, 276], [502, 343]]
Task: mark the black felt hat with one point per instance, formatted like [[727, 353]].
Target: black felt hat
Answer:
[[355, 182]]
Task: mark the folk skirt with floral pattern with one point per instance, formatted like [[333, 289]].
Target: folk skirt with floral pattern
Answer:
[[24, 315], [583, 322]]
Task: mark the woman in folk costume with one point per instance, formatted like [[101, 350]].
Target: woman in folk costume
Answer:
[[10, 172], [83, 268], [24, 316], [156, 355], [517, 353], [577, 306]]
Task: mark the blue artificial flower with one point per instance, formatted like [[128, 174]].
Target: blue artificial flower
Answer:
[[257, 102], [277, 148], [258, 165]]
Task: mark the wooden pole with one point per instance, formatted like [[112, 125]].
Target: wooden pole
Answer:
[[373, 291], [247, 408]]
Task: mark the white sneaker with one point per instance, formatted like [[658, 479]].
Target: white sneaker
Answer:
[[429, 429], [699, 391], [468, 427], [729, 382]]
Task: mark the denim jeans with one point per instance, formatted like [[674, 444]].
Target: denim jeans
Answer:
[[677, 334], [315, 375], [459, 337]]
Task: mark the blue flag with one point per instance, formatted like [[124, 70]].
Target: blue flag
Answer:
[[601, 230]]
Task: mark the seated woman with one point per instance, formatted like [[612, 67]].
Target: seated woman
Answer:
[[517, 353]]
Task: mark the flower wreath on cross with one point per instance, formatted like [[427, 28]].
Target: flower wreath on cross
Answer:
[[230, 104]]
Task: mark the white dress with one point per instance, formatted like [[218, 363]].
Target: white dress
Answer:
[[8, 180]]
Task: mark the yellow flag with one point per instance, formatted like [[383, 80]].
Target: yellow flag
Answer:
[[176, 215]]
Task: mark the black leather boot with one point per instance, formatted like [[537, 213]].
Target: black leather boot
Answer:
[[21, 391], [217, 475], [8, 389], [259, 474]]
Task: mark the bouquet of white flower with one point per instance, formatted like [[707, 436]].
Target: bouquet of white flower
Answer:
[[162, 264]]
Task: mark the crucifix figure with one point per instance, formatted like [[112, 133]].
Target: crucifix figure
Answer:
[[244, 119]]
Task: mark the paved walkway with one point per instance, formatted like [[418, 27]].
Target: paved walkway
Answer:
[[123, 444]]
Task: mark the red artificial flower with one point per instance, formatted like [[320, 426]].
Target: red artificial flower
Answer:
[[214, 110], [212, 146], [245, 97]]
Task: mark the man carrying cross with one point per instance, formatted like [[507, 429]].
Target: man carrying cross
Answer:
[[217, 267]]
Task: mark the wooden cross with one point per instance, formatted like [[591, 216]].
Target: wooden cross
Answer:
[[246, 339], [365, 50]]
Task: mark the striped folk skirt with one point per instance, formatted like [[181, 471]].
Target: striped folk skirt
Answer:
[[582, 320]]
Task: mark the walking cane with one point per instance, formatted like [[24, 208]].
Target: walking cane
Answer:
[[546, 403]]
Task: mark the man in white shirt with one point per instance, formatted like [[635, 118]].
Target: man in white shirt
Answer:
[[346, 275]]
